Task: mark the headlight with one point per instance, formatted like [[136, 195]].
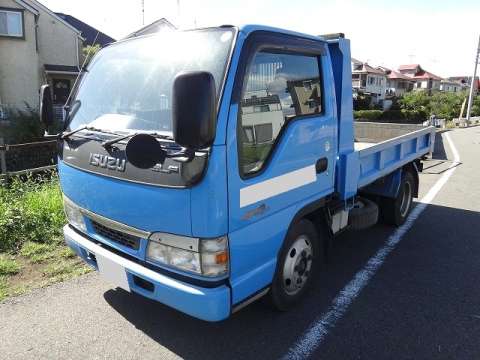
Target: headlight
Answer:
[[179, 258], [74, 216], [208, 257]]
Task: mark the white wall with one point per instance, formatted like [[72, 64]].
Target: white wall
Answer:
[[19, 64], [450, 87], [58, 43], [377, 84]]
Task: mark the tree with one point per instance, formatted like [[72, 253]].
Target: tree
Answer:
[[89, 52], [444, 105], [415, 101]]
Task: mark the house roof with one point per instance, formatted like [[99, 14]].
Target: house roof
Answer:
[[425, 75], [384, 69], [51, 68], [152, 28], [88, 32], [419, 72], [397, 75], [34, 5], [409, 67], [368, 69], [355, 61]]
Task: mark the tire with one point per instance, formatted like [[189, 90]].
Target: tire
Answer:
[[300, 258], [363, 215], [395, 211]]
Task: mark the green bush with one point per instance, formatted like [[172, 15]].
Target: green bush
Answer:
[[30, 210], [397, 116], [362, 102], [444, 105], [370, 115], [25, 125]]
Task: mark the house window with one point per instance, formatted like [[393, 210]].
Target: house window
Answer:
[[371, 81], [263, 133], [248, 136], [11, 23]]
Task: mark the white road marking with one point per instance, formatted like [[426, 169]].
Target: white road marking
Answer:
[[277, 185], [319, 329]]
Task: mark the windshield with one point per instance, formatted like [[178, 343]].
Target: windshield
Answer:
[[128, 86]]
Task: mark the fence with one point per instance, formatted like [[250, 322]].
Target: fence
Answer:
[[19, 159]]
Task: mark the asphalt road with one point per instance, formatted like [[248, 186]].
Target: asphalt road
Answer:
[[422, 303]]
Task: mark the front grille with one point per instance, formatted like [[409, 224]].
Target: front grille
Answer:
[[127, 240]]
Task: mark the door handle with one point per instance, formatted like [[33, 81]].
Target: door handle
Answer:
[[321, 165]]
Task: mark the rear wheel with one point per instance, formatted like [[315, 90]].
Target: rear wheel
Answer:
[[297, 265], [395, 211]]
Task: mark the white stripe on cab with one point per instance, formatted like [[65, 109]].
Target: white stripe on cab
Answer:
[[277, 185]]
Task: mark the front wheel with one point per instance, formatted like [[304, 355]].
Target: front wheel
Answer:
[[395, 211], [297, 265]]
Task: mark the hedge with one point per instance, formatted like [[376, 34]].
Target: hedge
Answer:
[[400, 116]]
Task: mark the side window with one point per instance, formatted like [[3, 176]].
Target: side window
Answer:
[[277, 87]]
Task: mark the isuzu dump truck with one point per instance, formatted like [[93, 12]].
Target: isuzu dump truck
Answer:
[[207, 168]]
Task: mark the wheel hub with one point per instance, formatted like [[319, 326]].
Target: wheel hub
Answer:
[[298, 263]]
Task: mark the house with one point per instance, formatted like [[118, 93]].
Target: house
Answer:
[[262, 117], [465, 81], [36, 46], [397, 83], [424, 80], [450, 86], [369, 80], [156, 26], [91, 35]]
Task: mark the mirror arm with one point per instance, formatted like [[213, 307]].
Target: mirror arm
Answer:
[[182, 156]]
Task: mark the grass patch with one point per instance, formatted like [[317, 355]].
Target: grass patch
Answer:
[[30, 210], [3, 288], [64, 270], [8, 266], [32, 253], [37, 252]]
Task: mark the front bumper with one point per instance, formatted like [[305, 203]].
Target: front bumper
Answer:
[[210, 304]]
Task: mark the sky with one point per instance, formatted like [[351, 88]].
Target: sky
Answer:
[[440, 35]]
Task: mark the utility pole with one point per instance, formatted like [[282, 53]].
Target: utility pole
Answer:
[[470, 97], [143, 12]]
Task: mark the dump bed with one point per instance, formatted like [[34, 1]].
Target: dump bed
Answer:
[[383, 147]]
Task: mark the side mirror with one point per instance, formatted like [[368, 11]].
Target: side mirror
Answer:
[[46, 106], [193, 109]]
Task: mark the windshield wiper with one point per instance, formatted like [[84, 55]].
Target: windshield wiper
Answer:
[[66, 135], [107, 144]]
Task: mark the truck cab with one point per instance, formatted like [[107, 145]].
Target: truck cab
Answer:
[[206, 168]]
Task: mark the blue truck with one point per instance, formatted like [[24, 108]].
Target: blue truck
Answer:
[[205, 169]]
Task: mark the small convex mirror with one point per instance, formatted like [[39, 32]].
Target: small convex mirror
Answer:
[[144, 151]]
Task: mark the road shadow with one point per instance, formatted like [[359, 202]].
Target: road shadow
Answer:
[[439, 162], [439, 152], [257, 331]]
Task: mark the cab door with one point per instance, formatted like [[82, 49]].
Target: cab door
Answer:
[[281, 148]]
